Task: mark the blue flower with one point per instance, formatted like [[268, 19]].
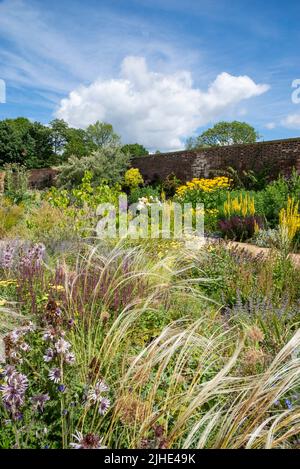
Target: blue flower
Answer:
[[288, 404]]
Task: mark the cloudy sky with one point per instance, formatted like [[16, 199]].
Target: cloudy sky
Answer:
[[158, 70]]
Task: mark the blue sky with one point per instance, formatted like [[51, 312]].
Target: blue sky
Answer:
[[159, 71]]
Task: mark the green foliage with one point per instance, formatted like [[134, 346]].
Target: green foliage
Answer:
[[10, 144], [52, 226], [107, 164], [101, 135], [10, 217], [135, 150], [224, 133], [76, 145], [26, 143], [248, 180], [59, 135], [39, 146], [140, 192], [170, 185], [88, 195], [16, 182]]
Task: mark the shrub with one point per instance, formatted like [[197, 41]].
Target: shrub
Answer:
[[10, 217], [51, 226], [133, 178], [16, 182], [141, 192], [240, 228], [106, 164], [210, 192], [267, 238], [170, 185]]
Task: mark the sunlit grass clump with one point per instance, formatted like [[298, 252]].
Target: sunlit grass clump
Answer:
[[118, 347]]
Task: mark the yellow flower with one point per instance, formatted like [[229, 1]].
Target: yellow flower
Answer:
[[7, 283], [289, 219]]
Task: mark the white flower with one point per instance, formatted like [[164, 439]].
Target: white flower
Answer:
[[62, 346], [55, 375], [24, 347], [95, 393], [49, 355], [15, 336], [70, 358]]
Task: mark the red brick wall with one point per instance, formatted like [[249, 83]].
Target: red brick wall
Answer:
[[274, 158], [42, 178]]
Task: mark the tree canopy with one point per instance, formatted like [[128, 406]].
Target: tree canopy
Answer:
[[25, 142], [35, 145], [224, 133], [135, 150]]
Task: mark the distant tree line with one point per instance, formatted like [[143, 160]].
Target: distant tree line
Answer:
[[35, 145]]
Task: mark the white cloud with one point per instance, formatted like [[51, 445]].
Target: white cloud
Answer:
[[158, 110], [292, 121], [270, 125]]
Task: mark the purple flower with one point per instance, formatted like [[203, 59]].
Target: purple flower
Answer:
[[288, 404], [39, 401], [89, 441], [19, 381], [13, 391], [104, 406], [55, 375], [61, 388], [24, 347], [95, 393], [50, 354], [9, 370], [62, 346], [18, 416], [7, 257], [71, 322], [15, 336], [70, 358]]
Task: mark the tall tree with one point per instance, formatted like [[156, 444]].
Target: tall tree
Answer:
[[25, 142], [43, 155], [102, 135], [77, 144], [10, 145], [59, 135], [224, 133]]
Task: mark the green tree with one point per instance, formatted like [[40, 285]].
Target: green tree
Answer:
[[25, 142], [135, 150], [42, 155], [106, 164], [59, 135], [10, 144], [224, 133], [77, 144], [102, 135]]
